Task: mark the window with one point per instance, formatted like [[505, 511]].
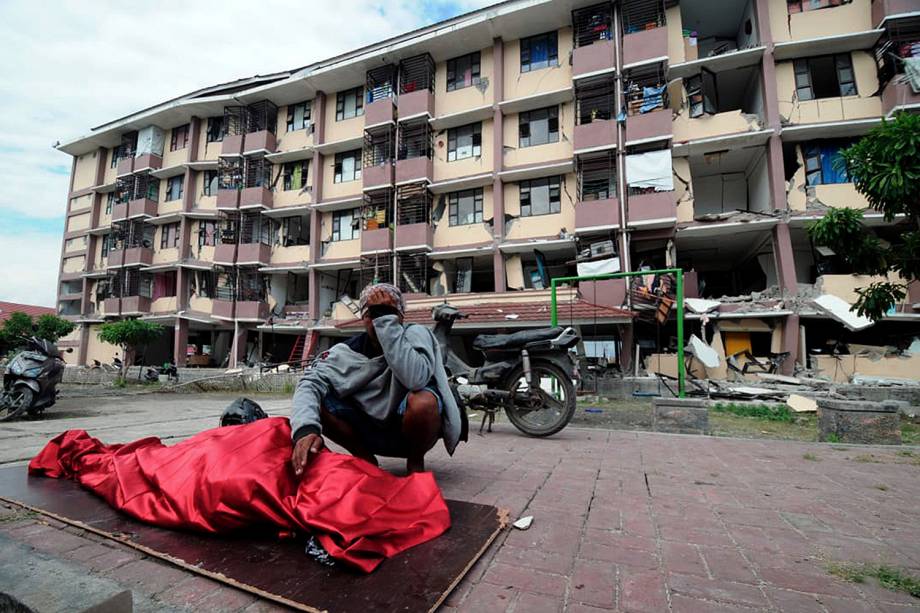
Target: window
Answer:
[[109, 202], [349, 103], [207, 233], [597, 177], [211, 182], [827, 76], [347, 166], [106, 244], [465, 207], [539, 51], [174, 188], [539, 127], [179, 138], [702, 94], [114, 161], [463, 71], [823, 163], [296, 230], [298, 116], [153, 189], [295, 174], [169, 236], [345, 225], [464, 142], [540, 196], [215, 129]]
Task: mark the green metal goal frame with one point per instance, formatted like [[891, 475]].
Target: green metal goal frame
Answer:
[[677, 272]]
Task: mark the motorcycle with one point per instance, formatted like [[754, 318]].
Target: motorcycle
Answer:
[[31, 378], [527, 374]]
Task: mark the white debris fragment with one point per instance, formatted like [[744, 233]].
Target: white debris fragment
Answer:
[[841, 310], [801, 404], [703, 352], [700, 305], [512, 316], [523, 523]]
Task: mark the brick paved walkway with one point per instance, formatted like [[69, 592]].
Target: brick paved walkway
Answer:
[[623, 521]]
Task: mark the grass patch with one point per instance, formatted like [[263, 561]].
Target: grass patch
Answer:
[[910, 432], [760, 411], [811, 457], [894, 579], [288, 387], [832, 438]]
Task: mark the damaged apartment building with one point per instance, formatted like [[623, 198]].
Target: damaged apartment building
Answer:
[[474, 160]]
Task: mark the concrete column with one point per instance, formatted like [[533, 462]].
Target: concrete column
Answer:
[[785, 263], [771, 107], [791, 335], [498, 155], [626, 349], [82, 354], [240, 342], [319, 123], [180, 342]]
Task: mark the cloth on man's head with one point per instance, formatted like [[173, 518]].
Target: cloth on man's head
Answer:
[[382, 294]]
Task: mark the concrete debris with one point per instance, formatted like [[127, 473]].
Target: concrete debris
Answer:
[[700, 305], [523, 523], [779, 378], [801, 404], [867, 380], [914, 348], [842, 311], [703, 352]]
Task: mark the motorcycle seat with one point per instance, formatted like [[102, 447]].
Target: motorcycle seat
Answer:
[[492, 342]]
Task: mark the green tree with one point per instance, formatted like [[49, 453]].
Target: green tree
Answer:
[[52, 327], [129, 335], [885, 166], [17, 327]]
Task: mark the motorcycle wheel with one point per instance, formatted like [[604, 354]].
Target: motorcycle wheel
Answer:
[[558, 400], [18, 400]]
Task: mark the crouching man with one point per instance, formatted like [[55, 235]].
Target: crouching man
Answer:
[[383, 392]]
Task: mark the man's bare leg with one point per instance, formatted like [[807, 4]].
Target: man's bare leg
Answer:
[[340, 431], [421, 425]]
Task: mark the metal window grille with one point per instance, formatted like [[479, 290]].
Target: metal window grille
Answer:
[[380, 82], [128, 145], [129, 282], [230, 173], [646, 89], [229, 228], [225, 282], [262, 115], [595, 99], [258, 172], [416, 74], [377, 211], [415, 139], [413, 203], [639, 15], [250, 285], [596, 176], [593, 23], [377, 268], [234, 122], [256, 228], [900, 40], [379, 146], [124, 189], [413, 272]]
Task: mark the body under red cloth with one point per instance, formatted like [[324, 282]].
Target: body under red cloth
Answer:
[[240, 476]]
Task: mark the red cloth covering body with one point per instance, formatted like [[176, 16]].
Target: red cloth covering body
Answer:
[[235, 477]]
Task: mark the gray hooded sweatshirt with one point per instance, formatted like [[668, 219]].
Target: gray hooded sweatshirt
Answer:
[[411, 360]]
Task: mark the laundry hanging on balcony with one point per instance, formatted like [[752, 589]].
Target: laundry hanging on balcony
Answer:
[[652, 169]]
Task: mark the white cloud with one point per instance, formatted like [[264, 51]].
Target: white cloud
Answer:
[[29, 267]]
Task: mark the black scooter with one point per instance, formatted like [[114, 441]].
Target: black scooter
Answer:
[[31, 378], [528, 374]]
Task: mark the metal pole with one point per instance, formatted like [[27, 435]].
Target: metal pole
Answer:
[[554, 321], [681, 375]]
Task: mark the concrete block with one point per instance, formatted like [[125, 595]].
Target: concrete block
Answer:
[[680, 415], [858, 421]]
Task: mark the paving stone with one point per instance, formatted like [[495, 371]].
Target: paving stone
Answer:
[[594, 583], [642, 591], [525, 579], [717, 590]]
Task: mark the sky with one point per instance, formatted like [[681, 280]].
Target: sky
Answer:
[[71, 65]]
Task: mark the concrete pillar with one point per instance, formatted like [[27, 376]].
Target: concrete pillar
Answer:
[[498, 149], [785, 263], [180, 342], [627, 349], [319, 132]]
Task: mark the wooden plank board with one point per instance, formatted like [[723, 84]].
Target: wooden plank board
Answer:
[[416, 580]]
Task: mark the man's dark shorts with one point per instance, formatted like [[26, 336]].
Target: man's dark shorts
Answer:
[[383, 438]]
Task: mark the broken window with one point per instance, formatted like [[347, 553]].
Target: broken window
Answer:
[[465, 207], [641, 15], [415, 139], [464, 142], [109, 202], [298, 289], [826, 76], [347, 166], [540, 51], [349, 103], [106, 244], [801, 6], [207, 233], [823, 163], [298, 116], [413, 202], [416, 74], [179, 138], [702, 93], [646, 89], [592, 23], [596, 176], [376, 210], [295, 174], [210, 182], [594, 99], [174, 188], [413, 272], [296, 230], [169, 236], [463, 71], [113, 163], [379, 146], [205, 280], [345, 225], [215, 131], [540, 196], [538, 127]]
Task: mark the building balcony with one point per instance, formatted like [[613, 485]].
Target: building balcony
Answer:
[[414, 236], [897, 95], [380, 175], [648, 126], [608, 293], [379, 111], [222, 309], [599, 134], [141, 207], [594, 58], [255, 197], [414, 169], [148, 161], [127, 305], [414, 104], [253, 253], [225, 253], [885, 8], [232, 145], [375, 241], [125, 166], [228, 198], [132, 256], [251, 310], [262, 141], [645, 45], [593, 215], [655, 209]]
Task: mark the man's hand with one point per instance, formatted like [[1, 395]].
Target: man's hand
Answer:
[[310, 444]]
